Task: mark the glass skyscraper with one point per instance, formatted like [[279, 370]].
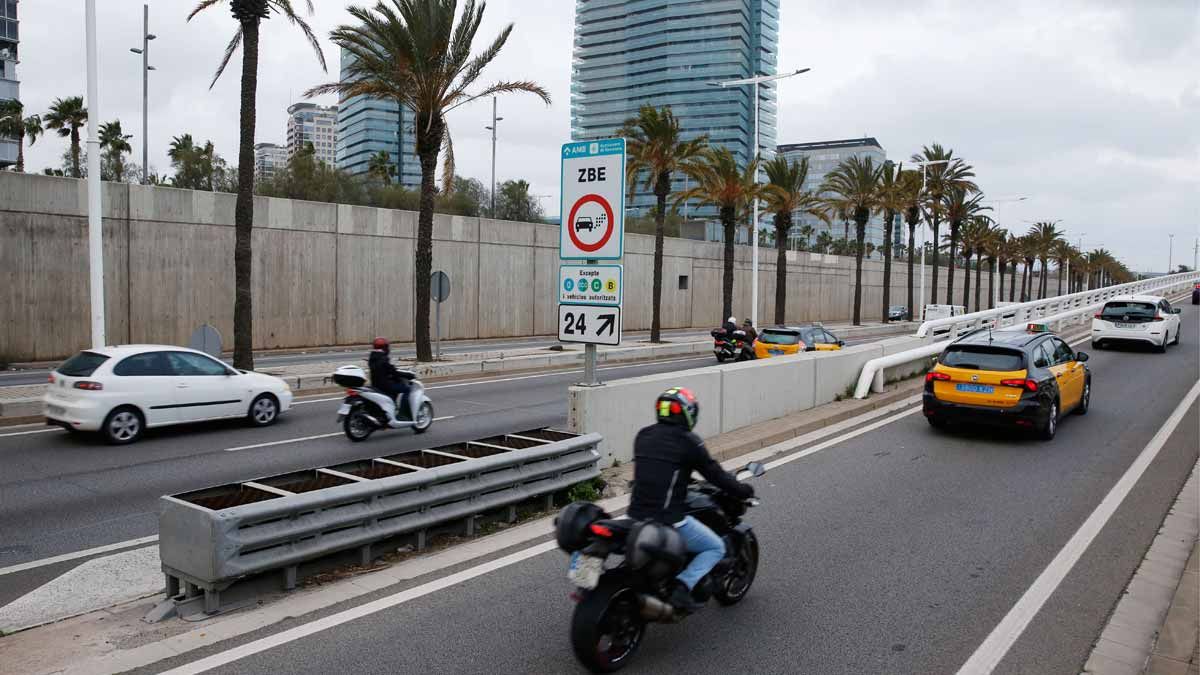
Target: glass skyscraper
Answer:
[[670, 52], [367, 126], [10, 87]]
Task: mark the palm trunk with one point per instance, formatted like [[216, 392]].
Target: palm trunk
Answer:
[[782, 225], [912, 235], [950, 273], [992, 283], [1060, 279], [75, 173], [727, 224], [887, 262], [1026, 282], [1012, 282], [978, 281], [429, 144], [661, 187], [1044, 286], [936, 228], [21, 149], [860, 233], [966, 280], [243, 215]]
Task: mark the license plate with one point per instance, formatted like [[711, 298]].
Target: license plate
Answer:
[[584, 570], [777, 352], [344, 410], [975, 388], [1134, 326], [54, 410]]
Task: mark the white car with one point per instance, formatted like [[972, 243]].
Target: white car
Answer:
[[1137, 318], [122, 391]]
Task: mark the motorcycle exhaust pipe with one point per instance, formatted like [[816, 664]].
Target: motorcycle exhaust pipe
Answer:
[[654, 609]]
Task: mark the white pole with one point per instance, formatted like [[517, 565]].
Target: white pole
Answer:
[[921, 299], [95, 234], [145, 94], [754, 223], [493, 213], [996, 291], [1170, 252]]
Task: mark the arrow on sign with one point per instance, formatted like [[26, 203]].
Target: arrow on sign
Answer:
[[606, 323]]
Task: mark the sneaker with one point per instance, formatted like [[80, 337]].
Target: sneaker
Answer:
[[682, 600]]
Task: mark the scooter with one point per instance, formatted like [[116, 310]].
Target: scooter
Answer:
[[743, 346], [723, 347], [364, 410]]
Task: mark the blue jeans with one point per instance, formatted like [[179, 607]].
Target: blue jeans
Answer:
[[708, 547]]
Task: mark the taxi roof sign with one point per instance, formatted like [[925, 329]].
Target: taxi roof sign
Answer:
[[1038, 328]]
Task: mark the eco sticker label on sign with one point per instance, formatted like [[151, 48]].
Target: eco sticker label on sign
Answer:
[[590, 284]]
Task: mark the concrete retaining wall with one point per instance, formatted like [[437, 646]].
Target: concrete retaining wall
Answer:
[[334, 274]]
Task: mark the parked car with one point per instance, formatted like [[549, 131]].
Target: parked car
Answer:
[[1147, 319], [122, 391], [897, 313]]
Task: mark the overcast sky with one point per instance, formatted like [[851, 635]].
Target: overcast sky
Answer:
[[1092, 109]]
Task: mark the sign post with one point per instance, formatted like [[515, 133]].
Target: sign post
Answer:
[[592, 230], [439, 290]]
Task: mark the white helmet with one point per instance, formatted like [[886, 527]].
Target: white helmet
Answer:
[[732, 319]]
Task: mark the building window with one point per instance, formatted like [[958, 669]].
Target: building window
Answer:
[[683, 282]]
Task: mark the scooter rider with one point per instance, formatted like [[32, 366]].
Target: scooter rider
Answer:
[[385, 377], [664, 456], [730, 326], [748, 329]]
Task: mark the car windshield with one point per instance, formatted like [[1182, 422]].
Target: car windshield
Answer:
[[82, 364], [976, 357], [1128, 311], [773, 337]]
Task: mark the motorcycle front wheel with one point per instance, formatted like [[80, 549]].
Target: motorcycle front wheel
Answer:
[[357, 426], [607, 628], [740, 576], [424, 418]]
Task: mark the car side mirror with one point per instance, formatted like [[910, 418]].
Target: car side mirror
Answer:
[[1176, 310], [841, 343], [1081, 357]]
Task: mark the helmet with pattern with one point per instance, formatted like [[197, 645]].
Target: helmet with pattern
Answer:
[[678, 406]]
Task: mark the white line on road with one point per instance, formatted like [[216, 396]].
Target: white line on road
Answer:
[[77, 554], [307, 438], [26, 433], [992, 650], [317, 400], [284, 637], [841, 439]]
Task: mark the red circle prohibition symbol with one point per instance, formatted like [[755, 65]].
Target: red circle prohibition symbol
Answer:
[[570, 224]]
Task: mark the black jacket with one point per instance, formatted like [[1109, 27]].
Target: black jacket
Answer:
[[664, 456], [383, 373]]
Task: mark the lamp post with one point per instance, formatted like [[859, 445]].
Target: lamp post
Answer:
[[921, 297], [493, 130], [147, 36], [998, 201], [1170, 252], [95, 234], [757, 80]]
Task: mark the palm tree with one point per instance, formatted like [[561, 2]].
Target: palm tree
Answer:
[[974, 238], [785, 196], [891, 198], [380, 164], [721, 183], [1062, 252], [995, 248], [1044, 236], [249, 14], [14, 124], [911, 182], [115, 144], [412, 52], [852, 188], [653, 146], [1029, 253], [67, 116], [961, 207], [939, 180]]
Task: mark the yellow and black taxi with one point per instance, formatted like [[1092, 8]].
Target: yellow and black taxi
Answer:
[[785, 340], [1022, 378]]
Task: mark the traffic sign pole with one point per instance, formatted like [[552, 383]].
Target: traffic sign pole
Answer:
[[589, 357]]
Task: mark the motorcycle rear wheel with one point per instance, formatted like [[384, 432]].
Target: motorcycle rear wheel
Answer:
[[607, 628], [357, 426], [736, 584]]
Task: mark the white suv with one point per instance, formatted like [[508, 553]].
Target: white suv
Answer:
[[1136, 318]]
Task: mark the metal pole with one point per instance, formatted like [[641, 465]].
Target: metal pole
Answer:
[[996, 291], [921, 298], [493, 213], [589, 357], [754, 224], [438, 321], [95, 234], [145, 94], [1170, 252]]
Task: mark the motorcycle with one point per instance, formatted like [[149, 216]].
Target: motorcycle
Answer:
[[616, 603], [364, 410], [723, 347], [743, 346]]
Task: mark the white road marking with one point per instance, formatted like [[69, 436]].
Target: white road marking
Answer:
[[284, 637], [812, 450], [317, 400], [26, 433], [307, 438], [77, 554], [992, 650]]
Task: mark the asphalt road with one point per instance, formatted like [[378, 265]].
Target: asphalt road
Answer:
[[12, 378], [897, 551]]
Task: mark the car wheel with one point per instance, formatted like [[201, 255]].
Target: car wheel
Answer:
[[1161, 348], [1086, 400], [1177, 332], [1096, 344], [264, 411], [123, 425], [936, 422], [1051, 426]]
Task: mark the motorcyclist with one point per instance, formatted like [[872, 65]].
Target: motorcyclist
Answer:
[[385, 377], [664, 456], [730, 325], [748, 328]]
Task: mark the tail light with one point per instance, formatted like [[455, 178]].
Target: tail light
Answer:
[[1160, 318], [1026, 384], [89, 386], [51, 378], [942, 377], [352, 392], [600, 530], [1097, 316]]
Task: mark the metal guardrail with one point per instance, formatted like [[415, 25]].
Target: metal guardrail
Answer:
[[1076, 312], [209, 539], [1023, 313]]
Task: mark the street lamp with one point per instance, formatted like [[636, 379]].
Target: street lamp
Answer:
[[757, 80], [146, 68], [493, 130], [998, 201], [1170, 252], [921, 297]]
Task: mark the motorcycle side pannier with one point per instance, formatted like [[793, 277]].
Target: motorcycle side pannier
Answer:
[[571, 525], [349, 376]]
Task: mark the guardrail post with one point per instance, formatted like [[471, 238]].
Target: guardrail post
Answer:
[[212, 601], [364, 556], [421, 539], [512, 513], [289, 577]]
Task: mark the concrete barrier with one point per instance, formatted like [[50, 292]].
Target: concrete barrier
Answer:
[[836, 371], [757, 391]]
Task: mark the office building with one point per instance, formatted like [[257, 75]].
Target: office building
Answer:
[[824, 157], [670, 52], [268, 159], [316, 124], [368, 126], [10, 86]]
